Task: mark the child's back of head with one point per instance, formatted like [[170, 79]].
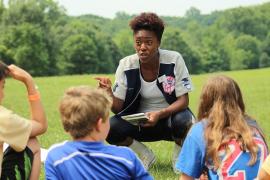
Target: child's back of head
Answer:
[[85, 115], [81, 107]]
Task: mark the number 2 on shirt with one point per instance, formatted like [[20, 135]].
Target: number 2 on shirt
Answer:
[[234, 155]]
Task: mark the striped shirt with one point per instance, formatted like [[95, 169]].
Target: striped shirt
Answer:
[[92, 160]]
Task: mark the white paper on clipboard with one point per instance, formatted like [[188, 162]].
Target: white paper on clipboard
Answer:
[[135, 119]]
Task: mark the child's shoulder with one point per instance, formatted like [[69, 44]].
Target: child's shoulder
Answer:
[[9, 119], [4, 111], [196, 133], [198, 127], [57, 146], [120, 150]]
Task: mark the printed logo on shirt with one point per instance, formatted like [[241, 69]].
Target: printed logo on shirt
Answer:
[[114, 87], [186, 83], [231, 166], [169, 84]]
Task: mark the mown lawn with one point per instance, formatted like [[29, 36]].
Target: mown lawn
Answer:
[[255, 85]]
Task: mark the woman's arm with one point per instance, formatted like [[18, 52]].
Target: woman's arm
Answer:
[[180, 104], [106, 84]]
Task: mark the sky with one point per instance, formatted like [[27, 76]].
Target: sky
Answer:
[[108, 8]]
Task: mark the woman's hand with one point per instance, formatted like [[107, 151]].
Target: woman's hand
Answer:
[[153, 118], [104, 83]]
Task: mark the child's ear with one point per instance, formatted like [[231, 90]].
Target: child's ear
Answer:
[[99, 124]]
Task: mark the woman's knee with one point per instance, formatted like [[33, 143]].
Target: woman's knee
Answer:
[[118, 130], [181, 123]]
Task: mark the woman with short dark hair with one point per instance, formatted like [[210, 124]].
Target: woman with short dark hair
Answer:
[[152, 81]]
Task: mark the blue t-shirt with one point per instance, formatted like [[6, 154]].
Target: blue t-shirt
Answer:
[[93, 160], [191, 160]]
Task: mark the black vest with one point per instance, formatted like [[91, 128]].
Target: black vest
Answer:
[[132, 99]]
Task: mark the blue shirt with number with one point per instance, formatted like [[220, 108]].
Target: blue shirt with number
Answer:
[[234, 165]]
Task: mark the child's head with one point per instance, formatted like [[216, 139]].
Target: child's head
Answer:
[[81, 108], [221, 103], [3, 70], [220, 90], [3, 74]]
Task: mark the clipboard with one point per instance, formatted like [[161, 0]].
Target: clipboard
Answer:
[[136, 119]]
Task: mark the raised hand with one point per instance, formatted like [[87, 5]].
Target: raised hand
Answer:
[[105, 83], [19, 74]]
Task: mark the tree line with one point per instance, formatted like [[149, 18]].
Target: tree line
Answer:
[[40, 37]]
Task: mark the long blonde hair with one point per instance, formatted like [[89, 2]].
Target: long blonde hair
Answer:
[[221, 103]]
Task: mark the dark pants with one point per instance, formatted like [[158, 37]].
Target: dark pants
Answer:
[[17, 165], [170, 129]]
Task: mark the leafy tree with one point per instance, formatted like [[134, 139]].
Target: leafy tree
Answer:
[[117, 24], [212, 61], [108, 54], [5, 55], [105, 50], [28, 39], [214, 56], [80, 55], [245, 21], [124, 41], [172, 40], [193, 12], [264, 60], [250, 46], [228, 52], [265, 56], [2, 8], [39, 36], [240, 57], [194, 39], [25, 44]]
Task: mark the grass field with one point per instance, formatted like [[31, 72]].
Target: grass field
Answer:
[[255, 85]]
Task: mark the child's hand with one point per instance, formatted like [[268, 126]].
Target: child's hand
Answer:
[[18, 73]]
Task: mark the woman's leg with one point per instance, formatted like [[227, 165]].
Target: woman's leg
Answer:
[[121, 132], [180, 125]]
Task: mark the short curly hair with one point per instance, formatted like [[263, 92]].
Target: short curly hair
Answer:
[[148, 21]]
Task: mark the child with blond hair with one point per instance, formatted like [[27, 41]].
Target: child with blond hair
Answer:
[[85, 116]]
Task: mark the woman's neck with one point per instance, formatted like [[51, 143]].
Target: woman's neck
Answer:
[[149, 71], [152, 64]]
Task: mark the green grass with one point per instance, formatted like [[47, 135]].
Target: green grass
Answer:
[[255, 85]]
